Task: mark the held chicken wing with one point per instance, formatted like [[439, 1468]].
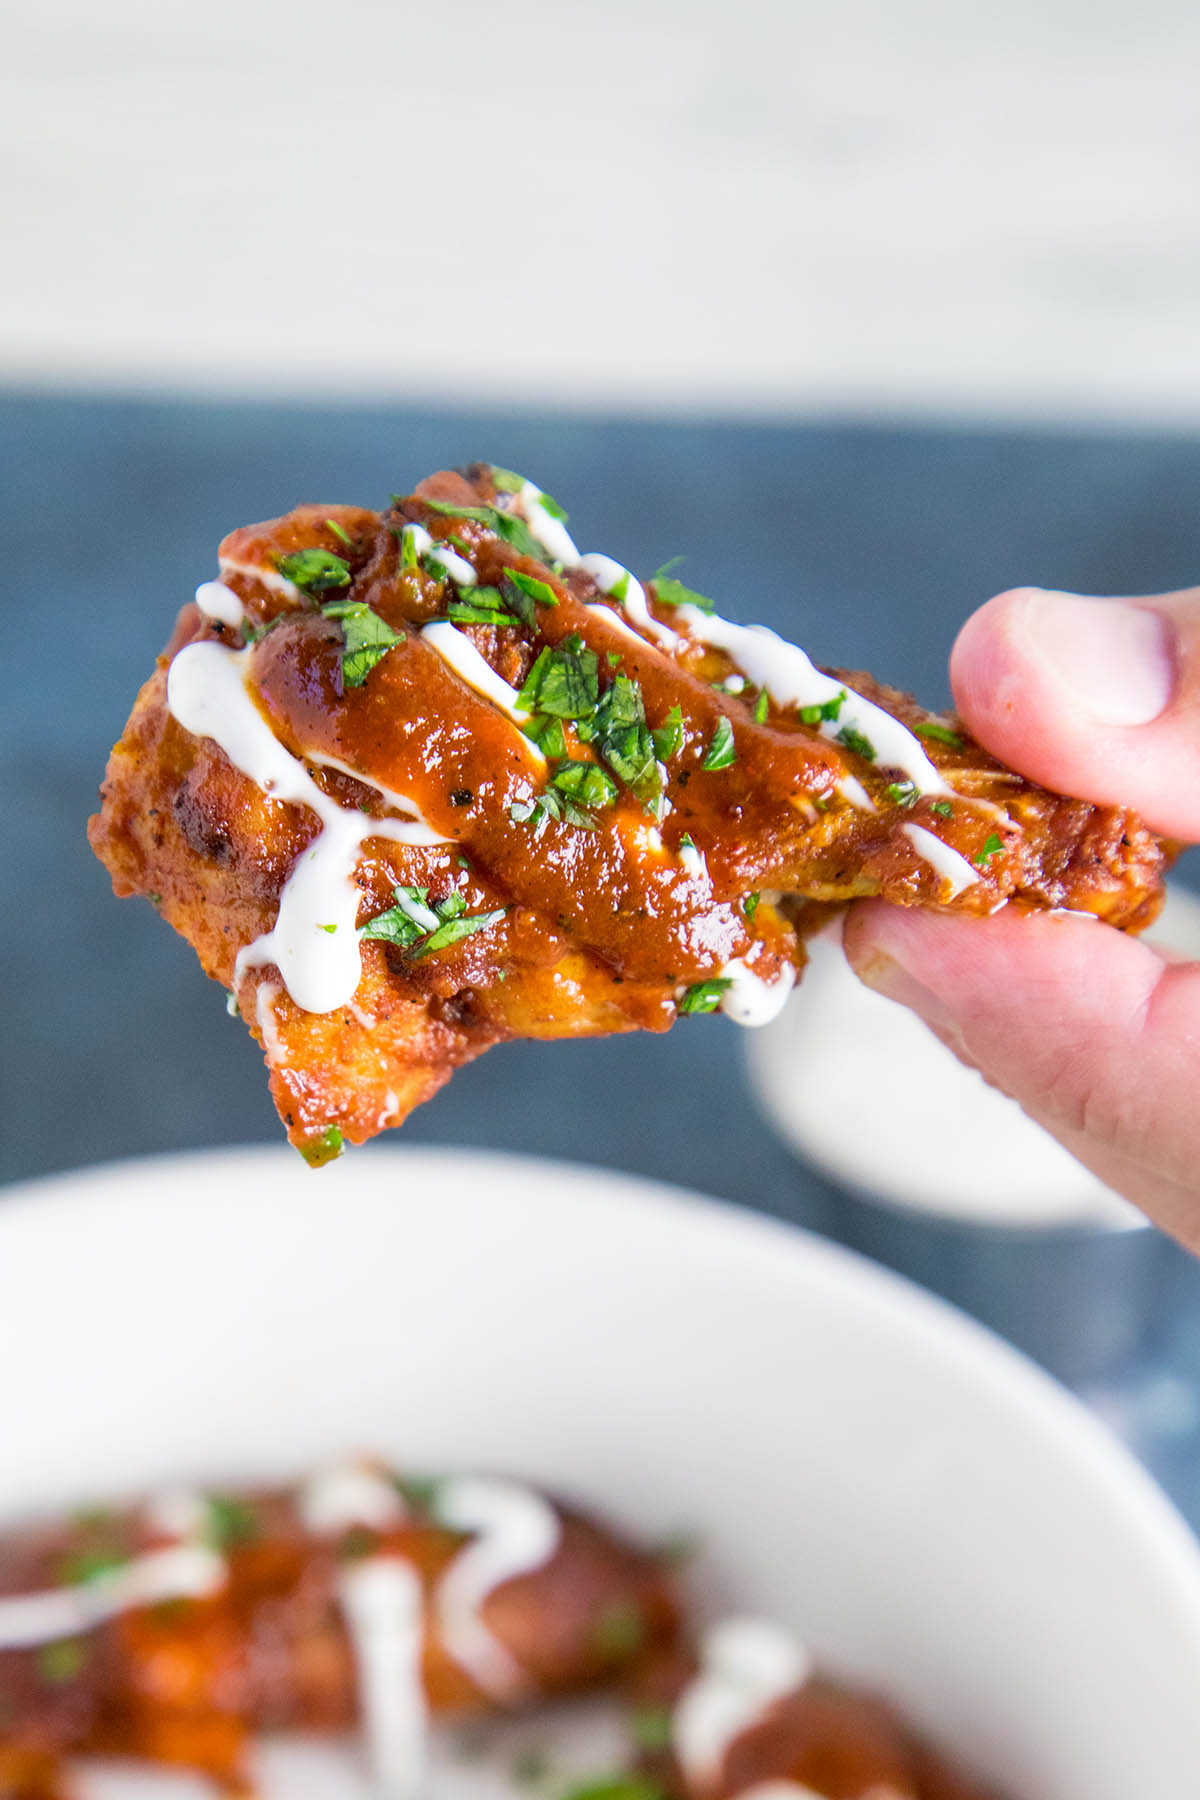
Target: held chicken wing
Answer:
[[415, 783]]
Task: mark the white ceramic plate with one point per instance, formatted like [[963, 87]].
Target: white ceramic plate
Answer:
[[861, 1463]]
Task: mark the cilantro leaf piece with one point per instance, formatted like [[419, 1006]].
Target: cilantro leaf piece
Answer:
[[541, 591], [405, 922], [62, 1660], [942, 734], [585, 783], [855, 741], [668, 737], [993, 846], [624, 738], [653, 1728], [704, 996], [669, 592], [902, 793], [485, 606], [943, 809], [547, 733], [672, 562], [615, 1787], [339, 532], [512, 529], [750, 907], [564, 680], [722, 751], [78, 1567], [232, 1520], [826, 710], [366, 638], [455, 929], [319, 1150], [762, 707], [254, 634], [549, 504], [314, 571], [507, 480]]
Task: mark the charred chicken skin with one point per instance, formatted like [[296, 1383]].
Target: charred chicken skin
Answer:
[[412, 784]]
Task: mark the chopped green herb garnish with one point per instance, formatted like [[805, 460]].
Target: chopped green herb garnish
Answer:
[[366, 638], [943, 809], [672, 562], [762, 707], [409, 555], [547, 733], [254, 634], [339, 532], [455, 929], [619, 1631], [584, 783], [358, 1541], [61, 1661], [687, 841], [507, 480], [314, 571], [541, 591], [79, 1567], [530, 1767], [564, 680], [854, 740], [704, 996], [668, 737], [750, 907], [232, 1520], [480, 606], [825, 711], [549, 504], [624, 739], [942, 733], [419, 1492], [902, 793], [615, 1787], [539, 809], [322, 1149], [652, 1728], [669, 592], [619, 590], [993, 846], [613, 658], [721, 752], [329, 928], [513, 530]]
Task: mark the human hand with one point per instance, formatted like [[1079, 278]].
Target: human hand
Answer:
[[1094, 1033]]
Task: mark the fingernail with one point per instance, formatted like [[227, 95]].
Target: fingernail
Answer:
[[1119, 660], [890, 978]]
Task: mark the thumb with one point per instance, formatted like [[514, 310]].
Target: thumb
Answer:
[[1095, 698], [1091, 1031]]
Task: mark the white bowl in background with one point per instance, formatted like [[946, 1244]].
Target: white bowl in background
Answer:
[[854, 1083], [933, 1515]]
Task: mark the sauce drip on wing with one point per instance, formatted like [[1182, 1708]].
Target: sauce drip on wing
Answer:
[[415, 783]]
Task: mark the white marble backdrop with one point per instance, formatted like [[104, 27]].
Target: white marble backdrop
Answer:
[[925, 206]]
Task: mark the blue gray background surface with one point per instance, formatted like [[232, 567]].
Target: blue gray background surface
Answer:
[[868, 544]]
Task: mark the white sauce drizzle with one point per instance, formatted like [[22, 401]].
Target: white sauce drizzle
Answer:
[[207, 694], [456, 649], [416, 540], [782, 1789], [792, 680], [216, 601], [455, 566], [746, 1665], [365, 1019], [518, 1532], [185, 1571], [400, 802], [607, 575], [384, 1608], [947, 863], [271, 579], [346, 1494], [550, 532], [852, 789], [751, 1001]]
